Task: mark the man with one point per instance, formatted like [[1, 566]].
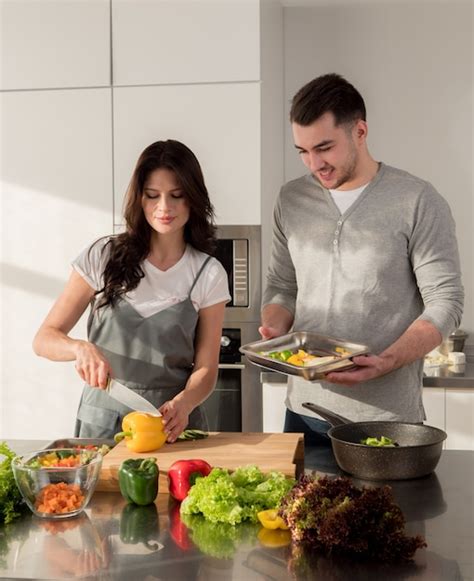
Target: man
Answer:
[[361, 251]]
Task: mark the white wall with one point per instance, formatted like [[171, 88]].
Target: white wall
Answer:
[[55, 191], [62, 164], [413, 63], [85, 85]]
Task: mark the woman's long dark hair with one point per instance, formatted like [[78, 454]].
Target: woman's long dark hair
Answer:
[[127, 250]]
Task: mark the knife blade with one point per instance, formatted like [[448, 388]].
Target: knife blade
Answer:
[[130, 398]]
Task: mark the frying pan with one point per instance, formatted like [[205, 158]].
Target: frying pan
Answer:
[[417, 454]]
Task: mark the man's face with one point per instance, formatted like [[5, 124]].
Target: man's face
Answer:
[[331, 152]]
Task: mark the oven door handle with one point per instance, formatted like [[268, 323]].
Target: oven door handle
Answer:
[[231, 365]]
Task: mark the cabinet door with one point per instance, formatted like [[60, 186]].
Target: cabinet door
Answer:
[[54, 44], [460, 419], [56, 197], [434, 404], [185, 41], [219, 123], [274, 408]]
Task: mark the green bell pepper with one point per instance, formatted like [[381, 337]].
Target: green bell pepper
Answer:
[[138, 480], [138, 524]]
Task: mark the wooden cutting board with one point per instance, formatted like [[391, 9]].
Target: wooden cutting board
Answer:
[[282, 452]]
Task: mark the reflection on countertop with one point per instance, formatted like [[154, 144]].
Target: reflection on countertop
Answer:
[[113, 541]]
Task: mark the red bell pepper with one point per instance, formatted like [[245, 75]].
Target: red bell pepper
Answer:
[[182, 475]]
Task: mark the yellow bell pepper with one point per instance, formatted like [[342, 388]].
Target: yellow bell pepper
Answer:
[[301, 358], [142, 432], [271, 520], [274, 539]]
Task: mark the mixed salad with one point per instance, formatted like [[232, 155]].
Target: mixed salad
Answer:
[[67, 458], [302, 358]]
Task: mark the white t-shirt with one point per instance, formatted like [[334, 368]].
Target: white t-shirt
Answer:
[[159, 289], [345, 199]]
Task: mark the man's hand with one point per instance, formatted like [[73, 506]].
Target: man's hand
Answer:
[[368, 367], [276, 321], [418, 340], [269, 332]]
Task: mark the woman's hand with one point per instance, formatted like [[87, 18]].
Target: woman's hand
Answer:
[[175, 414], [91, 365]]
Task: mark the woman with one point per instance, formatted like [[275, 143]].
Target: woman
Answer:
[[157, 301]]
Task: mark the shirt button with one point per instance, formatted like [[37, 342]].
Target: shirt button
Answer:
[[335, 242], [336, 232], [339, 223]]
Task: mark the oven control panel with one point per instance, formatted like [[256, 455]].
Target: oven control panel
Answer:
[[230, 344]]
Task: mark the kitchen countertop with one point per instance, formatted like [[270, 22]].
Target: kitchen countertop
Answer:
[[100, 544], [454, 376]]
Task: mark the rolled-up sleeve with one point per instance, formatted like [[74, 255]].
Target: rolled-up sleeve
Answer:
[[434, 254]]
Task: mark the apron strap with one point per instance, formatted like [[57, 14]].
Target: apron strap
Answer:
[[199, 274]]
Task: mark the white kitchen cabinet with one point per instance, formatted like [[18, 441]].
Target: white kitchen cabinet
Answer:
[[47, 44], [273, 396], [185, 41], [434, 404], [56, 197], [460, 419], [219, 122]]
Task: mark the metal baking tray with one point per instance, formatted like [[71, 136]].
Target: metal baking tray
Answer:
[[73, 442], [312, 343]]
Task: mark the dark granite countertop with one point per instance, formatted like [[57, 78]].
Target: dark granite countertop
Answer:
[[102, 543]]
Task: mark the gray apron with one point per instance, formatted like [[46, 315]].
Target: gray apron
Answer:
[[152, 355]]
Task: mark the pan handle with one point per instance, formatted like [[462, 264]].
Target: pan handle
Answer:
[[331, 417]]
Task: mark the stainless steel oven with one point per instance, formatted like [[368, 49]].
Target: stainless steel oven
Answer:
[[236, 403]]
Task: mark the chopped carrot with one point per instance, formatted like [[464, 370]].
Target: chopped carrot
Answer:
[[59, 498]]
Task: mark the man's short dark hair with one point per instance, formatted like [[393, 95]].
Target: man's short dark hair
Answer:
[[328, 93]]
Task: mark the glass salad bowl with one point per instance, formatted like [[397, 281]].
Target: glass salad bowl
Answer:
[[59, 482]]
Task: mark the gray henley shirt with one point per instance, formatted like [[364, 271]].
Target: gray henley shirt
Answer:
[[365, 276]]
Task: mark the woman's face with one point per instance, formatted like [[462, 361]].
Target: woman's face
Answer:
[[164, 202]]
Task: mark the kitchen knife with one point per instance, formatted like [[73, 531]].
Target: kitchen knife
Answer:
[[130, 398]]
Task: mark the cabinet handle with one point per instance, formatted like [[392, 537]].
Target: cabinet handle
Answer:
[[231, 365]]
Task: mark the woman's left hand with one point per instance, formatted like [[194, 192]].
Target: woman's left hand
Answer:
[[175, 418]]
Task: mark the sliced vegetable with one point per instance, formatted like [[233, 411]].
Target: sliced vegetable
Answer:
[[142, 432], [279, 355], [103, 449], [138, 480], [382, 441], [59, 498], [193, 435], [69, 458], [183, 474], [301, 358]]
